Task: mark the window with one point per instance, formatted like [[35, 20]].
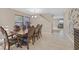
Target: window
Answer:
[[22, 20], [19, 20]]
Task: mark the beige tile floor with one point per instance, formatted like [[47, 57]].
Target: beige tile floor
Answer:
[[50, 41]]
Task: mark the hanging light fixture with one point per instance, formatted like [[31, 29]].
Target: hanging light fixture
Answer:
[[32, 16], [35, 16], [34, 13]]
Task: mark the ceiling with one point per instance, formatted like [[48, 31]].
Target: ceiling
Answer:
[[52, 11]]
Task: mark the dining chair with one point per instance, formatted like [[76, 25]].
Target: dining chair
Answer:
[[17, 28], [7, 41], [22, 38], [40, 31], [36, 34], [31, 31]]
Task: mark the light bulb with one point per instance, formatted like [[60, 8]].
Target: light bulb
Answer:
[[32, 16], [35, 16]]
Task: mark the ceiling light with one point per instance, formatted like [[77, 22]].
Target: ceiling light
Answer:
[[32, 16], [35, 16]]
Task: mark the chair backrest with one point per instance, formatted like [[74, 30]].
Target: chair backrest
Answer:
[[37, 28], [4, 34], [31, 31], [40, 27], [17, 28], [24, 28]]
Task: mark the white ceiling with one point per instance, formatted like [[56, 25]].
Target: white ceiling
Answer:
[[52, 11]]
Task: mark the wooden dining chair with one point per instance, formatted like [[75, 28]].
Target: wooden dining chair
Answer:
[[31, 31], [7, 42], [36, 33], [24, 38], [17, 28], [40, 31]]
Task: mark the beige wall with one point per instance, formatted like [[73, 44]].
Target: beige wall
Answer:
[[68, 25], [7, 16], [55, 24]]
